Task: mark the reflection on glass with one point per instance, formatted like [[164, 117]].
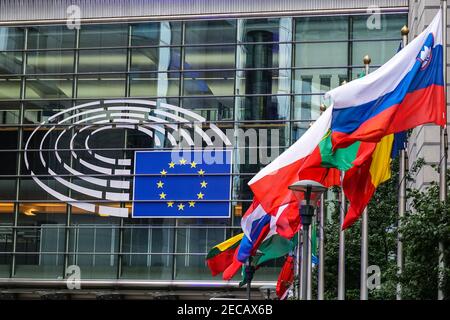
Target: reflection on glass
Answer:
[[156, 33], [103, 60], [147, 250], [319, 80], [6, 223], [216, 83], [318, 54], [155, 59], [9, 88], [389, 27], [51, 37], [379, 51], [101, 86], [154, 84], [211, 57], [219, 31], [47, 87], [104, 35], [40, 110], [267, 30], [11, 38], [10, 62], [216, 108], [50, 62], [321, 28]]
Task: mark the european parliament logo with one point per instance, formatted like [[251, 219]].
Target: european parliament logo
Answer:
[[182, 185]]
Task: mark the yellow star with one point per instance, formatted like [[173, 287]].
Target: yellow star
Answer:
[[203, 184], [183, 161], [170, 204], [191, 204], [160, 184], [200, 195], [181, 206], [163, 173], [193, 164], [172, 165], [201, 172], [162, 195]]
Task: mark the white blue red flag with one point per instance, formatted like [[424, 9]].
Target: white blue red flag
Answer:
[[405, 92]]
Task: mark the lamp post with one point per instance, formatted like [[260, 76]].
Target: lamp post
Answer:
[[307, 193]]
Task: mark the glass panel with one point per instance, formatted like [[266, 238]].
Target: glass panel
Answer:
[[208, 83], [318, 81], [101, 86], [147, 249], [40, 110], [8, 185], [104, 35], [261, 30], [263, 107], [40, 241], [193, 243], [219, 31], [6, 223], [48, 87], [318, 54], [11, 62], [11, 38], [103, 60], [211, 57], [155, 59], [321, 28], [264, 82], [50, 62], [156, 33], [9, 88], [50, 37], [9, 114], [389, 27], [94, 244], [155, 84], [212, 109], [379, 51]]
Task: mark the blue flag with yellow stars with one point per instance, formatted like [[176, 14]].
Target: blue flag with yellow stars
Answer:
[[182, 184]]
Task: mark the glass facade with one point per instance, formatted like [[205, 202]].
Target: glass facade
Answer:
[[267, 73]]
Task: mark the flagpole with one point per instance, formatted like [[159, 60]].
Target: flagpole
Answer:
[[364, 228], [321, 279], [443, 154], [401, 192], [341, 266]]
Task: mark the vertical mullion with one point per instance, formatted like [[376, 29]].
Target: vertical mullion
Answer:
[[235, 117], [69, 206], [125, 142], [20, 153]]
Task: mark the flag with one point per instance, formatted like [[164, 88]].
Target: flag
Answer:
[[405, 92], [301, 161], [360, 182], [221, 256], [182, 184], [286, 277]]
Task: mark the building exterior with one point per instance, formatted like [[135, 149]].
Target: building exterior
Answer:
[[227, 64]]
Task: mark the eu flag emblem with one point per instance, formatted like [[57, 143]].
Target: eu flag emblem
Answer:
[[182, 184]]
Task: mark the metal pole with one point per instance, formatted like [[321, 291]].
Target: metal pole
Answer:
[[364, 229], [401, 192], [443, 154], [297, 264], [341, 266], [305, 260], [321, 279], [249, 274], [309, 271]]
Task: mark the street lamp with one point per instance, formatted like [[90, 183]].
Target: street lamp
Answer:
[[307, 193]]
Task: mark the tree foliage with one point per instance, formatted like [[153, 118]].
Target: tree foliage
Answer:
[[426, 223]]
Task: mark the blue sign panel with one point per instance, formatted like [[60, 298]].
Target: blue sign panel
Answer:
[[182, 184]]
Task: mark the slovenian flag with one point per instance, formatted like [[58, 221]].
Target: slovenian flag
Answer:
[[405, 92]]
